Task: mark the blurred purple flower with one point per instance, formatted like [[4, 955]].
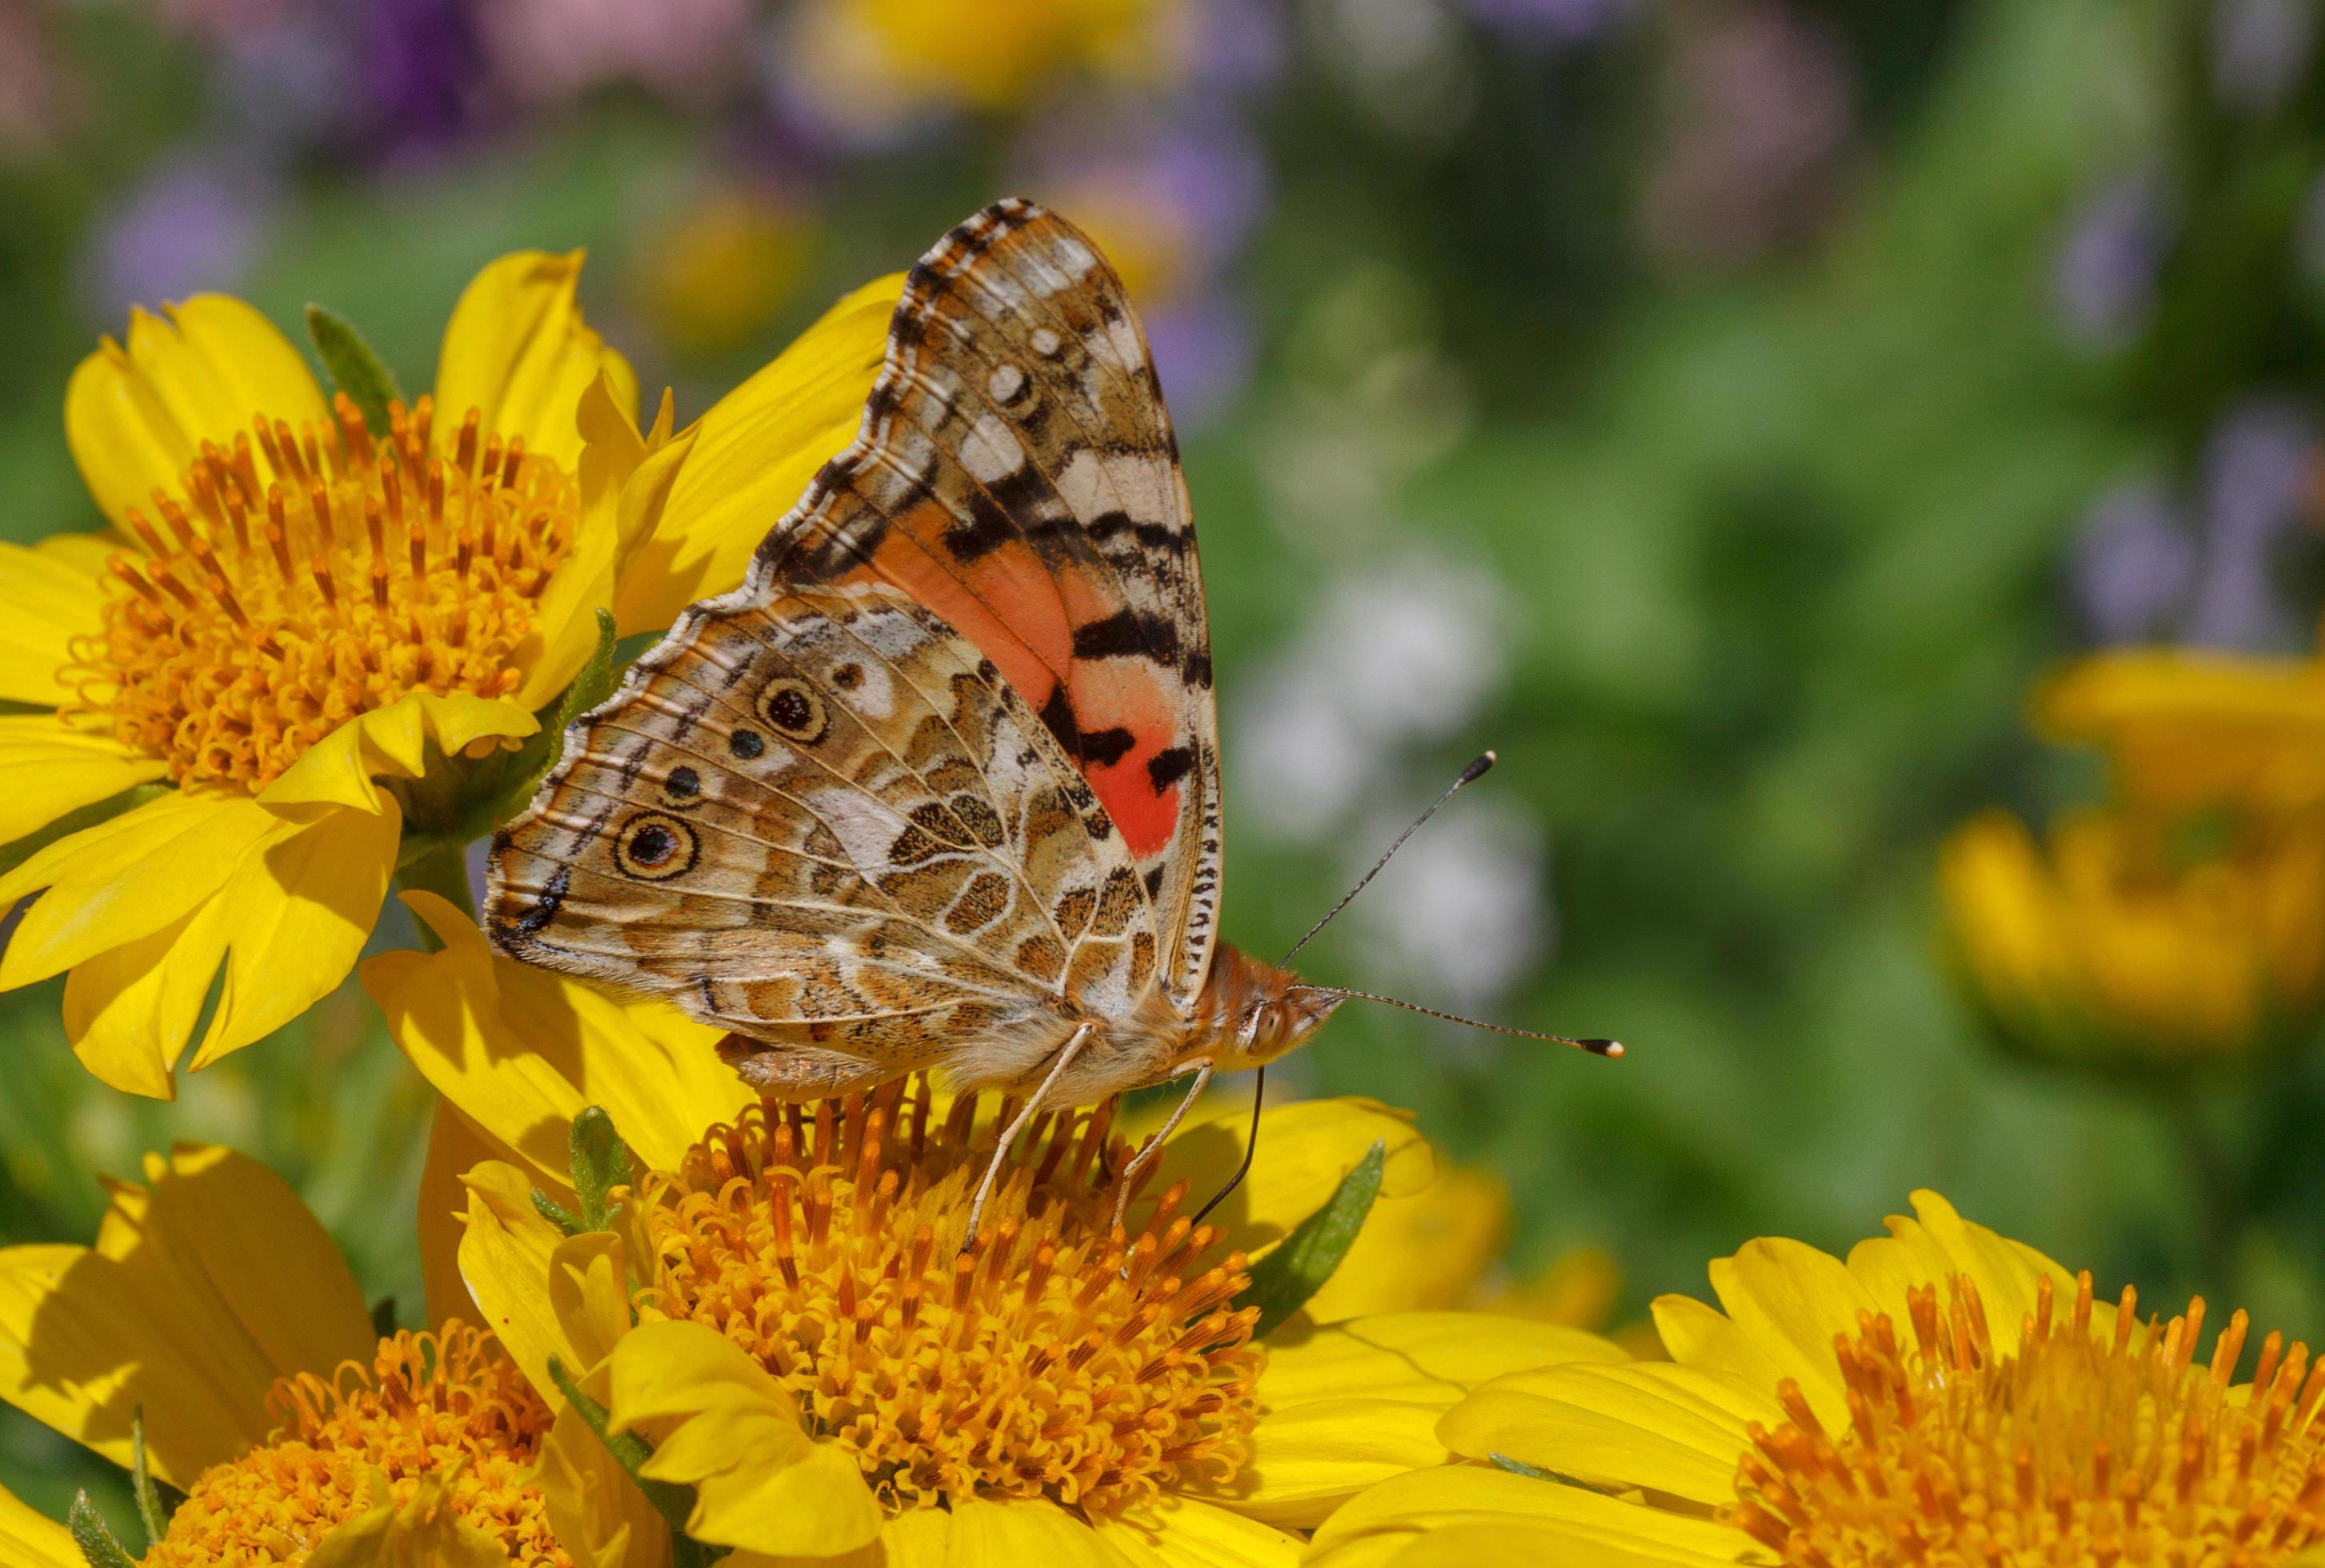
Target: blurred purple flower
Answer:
[[2257, 476], [1550, 21], [1759, 132], [549, 50], [1240, 45], [421, 63], [2103, 281], [2135, 565], [37, 81], [1202, 353], [2260, 49], [187, 228]]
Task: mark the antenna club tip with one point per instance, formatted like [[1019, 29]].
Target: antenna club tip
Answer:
[[1476, 769], [1612, 1049]]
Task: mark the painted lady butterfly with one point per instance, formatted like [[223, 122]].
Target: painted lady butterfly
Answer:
[[937, 786]]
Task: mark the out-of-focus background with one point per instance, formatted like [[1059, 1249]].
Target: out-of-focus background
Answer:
[[1726, 411]]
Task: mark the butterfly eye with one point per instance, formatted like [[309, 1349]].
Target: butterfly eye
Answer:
[[794, 710], [655, 847]]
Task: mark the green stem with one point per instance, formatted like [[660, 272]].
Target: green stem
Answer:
[[442, 868]]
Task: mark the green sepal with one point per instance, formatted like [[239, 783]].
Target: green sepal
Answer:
[[383, 1316], [557, 1213], [1520, 1467], [591, 685], [16, 854], [96, 1541], [601, 1163], [355, 368], [674, 1502], [151, 1513], [1283, 1281]]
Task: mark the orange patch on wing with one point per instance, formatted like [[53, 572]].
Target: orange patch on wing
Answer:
[[1005, 603], [1138, 702]]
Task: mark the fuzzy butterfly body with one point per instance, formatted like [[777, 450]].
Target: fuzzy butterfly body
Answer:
[[938, 785]]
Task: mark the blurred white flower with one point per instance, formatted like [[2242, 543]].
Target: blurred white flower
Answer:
[[1459, 915], [1399, 656]]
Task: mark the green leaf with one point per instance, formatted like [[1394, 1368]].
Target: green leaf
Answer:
[[1282, 1282], [369, 384], [557, 1213], [89, 1534], [600, 1164], [16, 854], [592, 685], [150, 1511], [672, 1500]]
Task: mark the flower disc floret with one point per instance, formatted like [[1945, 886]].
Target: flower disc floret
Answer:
[[307, 576], [1059, 1356], [2085, 1446], [428, 1403]]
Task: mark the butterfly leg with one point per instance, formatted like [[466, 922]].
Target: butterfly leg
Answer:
[[1066, 1054], [1147, 1150]]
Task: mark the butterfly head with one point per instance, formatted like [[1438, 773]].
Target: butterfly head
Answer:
[[1261, 1011]]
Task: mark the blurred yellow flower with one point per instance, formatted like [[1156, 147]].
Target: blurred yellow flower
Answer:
[[721, 267], [2117, 944], [214, 1303], [1946, 1396], [816, 1355], [874, 62], [293, 610], [2186, 730]]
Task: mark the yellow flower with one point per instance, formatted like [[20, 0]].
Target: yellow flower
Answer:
[[2119, 945], [214, 1303], [1947, 1395], [292, 609], [815, 1354], [722, 267], [2186, 730], [877, 61]]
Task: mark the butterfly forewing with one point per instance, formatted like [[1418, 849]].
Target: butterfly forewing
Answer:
[[1017, 474]]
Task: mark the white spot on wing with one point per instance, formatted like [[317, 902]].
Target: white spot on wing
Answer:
[[1004, 384], [1046, 342], [990, 451]]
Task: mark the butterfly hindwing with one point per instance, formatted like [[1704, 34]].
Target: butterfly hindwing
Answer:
[[818, 817], [1017, 473]]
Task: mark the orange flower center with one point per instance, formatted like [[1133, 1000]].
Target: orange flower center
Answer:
[[321, 575], [430, 1403], [1059, 1357], [2083, 1447]]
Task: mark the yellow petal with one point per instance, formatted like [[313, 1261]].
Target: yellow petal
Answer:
[[128, 878], [1665, 1428], [599, 1513], [1938, 1246], [454, 1148], [505, 1245], [589, 1293], [1420, 1253], [423, 1532], [518, 352], [293, 915], [1345, 1407], [565, 625], [1305, 1151], [206, 1285], [298, 915], [762, 1484], [1185, 1532], [338, 770], [49, 767], [48, 596], [1016, 1534], [521, 1051], [1589, 1524], [135, 417], [31, 1539], [1790, 1298], [753, 454]]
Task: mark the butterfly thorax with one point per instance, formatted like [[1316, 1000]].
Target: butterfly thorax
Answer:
[[1249, 1012]]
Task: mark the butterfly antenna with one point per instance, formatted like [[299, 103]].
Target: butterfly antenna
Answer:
[[1596, 1047], [1250, 1148], [1469, 775]]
